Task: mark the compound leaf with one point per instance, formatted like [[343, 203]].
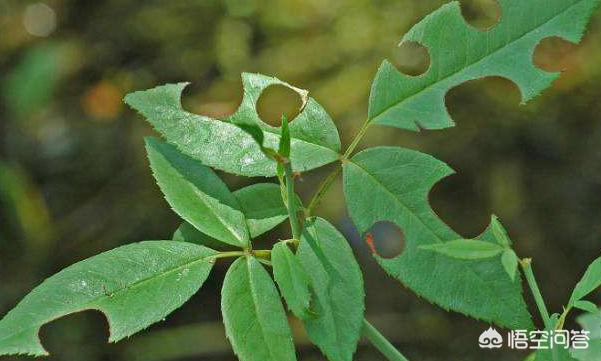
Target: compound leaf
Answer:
[[292, 279], [197, 194], [338, 299], [465, 249], [253, 315], [589, 282], [262, 206], [392, 184], [460, 53], [223, 145], [134, 286]]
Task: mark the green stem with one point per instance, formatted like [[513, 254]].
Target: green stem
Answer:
[[562, 318], [292, 206], [321, 191], [325, 185], [356, 140], [381, 343], [526, 264]]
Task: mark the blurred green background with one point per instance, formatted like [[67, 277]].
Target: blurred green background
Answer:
[[74, 180]]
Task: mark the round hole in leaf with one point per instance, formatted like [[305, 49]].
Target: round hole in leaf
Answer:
[[385, 239], [555, 54], [410, 58], [63, 337], [277, 100], [481, 14]]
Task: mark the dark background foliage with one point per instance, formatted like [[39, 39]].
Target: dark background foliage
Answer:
[[74, 180]]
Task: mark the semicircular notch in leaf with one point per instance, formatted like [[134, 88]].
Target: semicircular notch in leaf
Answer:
[[196, 194], [338, 294], [223, 145], [392, 184], [134, 286], [253, 314], [460, 52]]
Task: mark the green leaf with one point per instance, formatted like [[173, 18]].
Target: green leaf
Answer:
[[338, 300], [262, 206], [392, 184], [253, 315], [499, 232], [465, 249], [223, 145], [555, 353], [187, 233], [284, 147], [590, 322], [510, 261], [589, 282], [292, 279], [587, 306], [460, 53], [134, 286], [197, 194]]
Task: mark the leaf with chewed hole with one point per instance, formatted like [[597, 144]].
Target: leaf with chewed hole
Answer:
[[223, 145], [460, 53], [392, 184], [254, 318], [196, 194], [337, 285], [292, 279], [134, 286]]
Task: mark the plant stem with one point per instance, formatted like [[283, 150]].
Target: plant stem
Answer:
[[526, 264], [325, 185], [356, 140], [381, 343], [321, 191], [292, 206], [562, 318]]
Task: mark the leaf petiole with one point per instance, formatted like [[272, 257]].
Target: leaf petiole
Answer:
[[325, 185], [381, 343]]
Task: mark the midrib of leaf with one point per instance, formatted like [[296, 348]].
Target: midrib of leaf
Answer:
[[496, 50], [254, 295], [122, 289], [219, 216], [398, 201]]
